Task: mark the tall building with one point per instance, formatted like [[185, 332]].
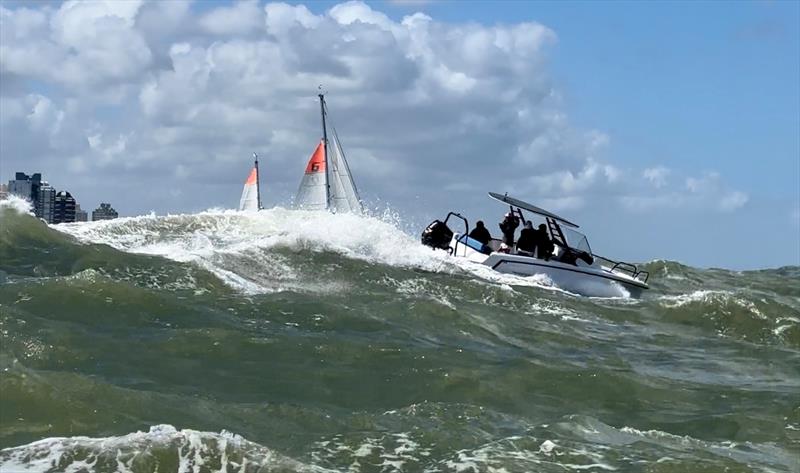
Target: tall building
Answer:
[[3, 191], [104, 212], [45, 202], [64, 208], [80, 214], [27, 187]]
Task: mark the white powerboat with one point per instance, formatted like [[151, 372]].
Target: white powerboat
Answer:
[[572, 265]]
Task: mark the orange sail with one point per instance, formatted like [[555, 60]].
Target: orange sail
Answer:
[[251, 198], [251, 179], [317, 161]]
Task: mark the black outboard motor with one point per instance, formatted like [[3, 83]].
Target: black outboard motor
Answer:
[[437, 235]]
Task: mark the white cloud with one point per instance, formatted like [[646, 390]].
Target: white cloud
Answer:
[[411, 2], [44, 115], [242, 18], [282, 17], [657, 176], [563, 203], [704, 192], [149, 88], [80, 45], [733, 200]]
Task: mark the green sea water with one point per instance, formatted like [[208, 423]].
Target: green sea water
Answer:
[[298, 341]]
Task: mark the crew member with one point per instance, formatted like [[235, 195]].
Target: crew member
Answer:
[[526, 245], [480, 233], [544, 243], [508, 226]]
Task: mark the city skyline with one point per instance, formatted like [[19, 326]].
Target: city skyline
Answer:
[[678, 127], [49, 204]]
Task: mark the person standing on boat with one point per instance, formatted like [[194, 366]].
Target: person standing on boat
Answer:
[[528, 239], [508, 226], [480, 233], [544, 243]]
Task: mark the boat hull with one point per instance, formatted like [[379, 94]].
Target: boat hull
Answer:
[[585, 280]]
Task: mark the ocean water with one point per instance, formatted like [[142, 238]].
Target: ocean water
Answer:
[[299, 341]]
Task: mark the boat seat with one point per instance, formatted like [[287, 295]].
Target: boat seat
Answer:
[[474, 244]]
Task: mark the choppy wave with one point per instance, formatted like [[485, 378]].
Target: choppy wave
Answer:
[[162, 448], [339, 343], [575, 443]]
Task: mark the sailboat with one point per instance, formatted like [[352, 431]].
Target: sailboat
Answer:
[[251, 194], [327, 183]]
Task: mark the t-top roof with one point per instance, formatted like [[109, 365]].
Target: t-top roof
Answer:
[[529, 207]]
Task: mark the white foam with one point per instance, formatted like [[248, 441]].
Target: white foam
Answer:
[[195, 449], [214, 237], [17, 204], [209, 237], [696, 296], [547, 447], [390, 451], [710, 297]]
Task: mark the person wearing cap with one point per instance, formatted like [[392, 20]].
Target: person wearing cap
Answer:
[[526, 245], [508, 226]]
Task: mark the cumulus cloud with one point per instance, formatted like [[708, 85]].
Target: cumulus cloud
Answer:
[[242, 18], [657, 176], [93, 89], [79, 45], [704, 192], [733, 200]]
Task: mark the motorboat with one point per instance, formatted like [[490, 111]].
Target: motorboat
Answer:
[[572, 266]]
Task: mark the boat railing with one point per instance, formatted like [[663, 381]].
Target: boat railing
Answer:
[[466, 229], [627, 268]]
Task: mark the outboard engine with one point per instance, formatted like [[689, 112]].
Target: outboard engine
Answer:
[[437, 235]]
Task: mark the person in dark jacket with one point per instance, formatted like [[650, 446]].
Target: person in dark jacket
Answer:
[[528, 239], [508, 226], [480, 233], [544, 243]]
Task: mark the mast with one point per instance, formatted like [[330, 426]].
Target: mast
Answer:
[[258, 182], [325, 140]]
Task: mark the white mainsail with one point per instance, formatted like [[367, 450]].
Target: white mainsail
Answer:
[[327, 183], [251, 200], [344, 195]]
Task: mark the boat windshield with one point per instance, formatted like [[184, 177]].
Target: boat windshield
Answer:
[[576, 240]]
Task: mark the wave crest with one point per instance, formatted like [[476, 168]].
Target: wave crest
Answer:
[[162, 448]]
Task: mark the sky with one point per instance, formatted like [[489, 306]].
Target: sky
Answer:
[[665, 129]]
